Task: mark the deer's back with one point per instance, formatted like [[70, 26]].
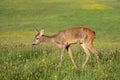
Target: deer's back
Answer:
[[75, 35]]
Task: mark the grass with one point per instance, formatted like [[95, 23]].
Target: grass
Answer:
[[21, 61]]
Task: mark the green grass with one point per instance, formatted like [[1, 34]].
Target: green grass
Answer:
[[19, 60]]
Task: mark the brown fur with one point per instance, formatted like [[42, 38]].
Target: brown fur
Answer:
[[65, 38]]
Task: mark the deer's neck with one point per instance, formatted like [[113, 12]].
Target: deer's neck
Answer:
[[48, 39], [52, 39]]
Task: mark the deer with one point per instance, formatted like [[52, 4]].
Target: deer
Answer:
[[65, 38]]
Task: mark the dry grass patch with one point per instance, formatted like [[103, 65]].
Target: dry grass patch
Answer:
[[95, 6], [53, 1]]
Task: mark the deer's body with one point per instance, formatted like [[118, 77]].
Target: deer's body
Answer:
[[65, 38]]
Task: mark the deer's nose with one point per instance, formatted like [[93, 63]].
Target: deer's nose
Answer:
[[33, 43]]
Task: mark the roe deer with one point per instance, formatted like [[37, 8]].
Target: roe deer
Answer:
[[65, 38]]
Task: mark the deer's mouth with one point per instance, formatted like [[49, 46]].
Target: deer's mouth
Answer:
[[33, 44]]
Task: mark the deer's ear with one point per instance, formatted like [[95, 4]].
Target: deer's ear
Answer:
[[37, 30], [42, 31]]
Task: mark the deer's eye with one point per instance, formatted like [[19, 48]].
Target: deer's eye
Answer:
[[37, 38]]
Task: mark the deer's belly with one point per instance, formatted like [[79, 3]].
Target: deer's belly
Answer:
[[73, 41]]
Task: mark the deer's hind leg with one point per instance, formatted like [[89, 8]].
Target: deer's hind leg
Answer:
[[94, 51], [87, 54]]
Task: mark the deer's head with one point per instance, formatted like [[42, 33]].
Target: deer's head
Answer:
[[38, 37]]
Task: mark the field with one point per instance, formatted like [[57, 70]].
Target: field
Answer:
[[19, 60]]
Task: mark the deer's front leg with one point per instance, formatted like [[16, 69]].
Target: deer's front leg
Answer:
[[71, 57], [62, 55]]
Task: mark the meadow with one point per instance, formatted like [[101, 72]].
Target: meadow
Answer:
[[19, 60]]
